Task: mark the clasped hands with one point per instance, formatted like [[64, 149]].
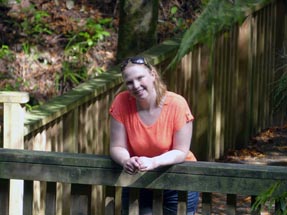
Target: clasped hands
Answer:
[[137, 164]]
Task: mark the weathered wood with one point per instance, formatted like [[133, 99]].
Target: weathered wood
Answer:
[[13, 137], [110, 199], [80, 199], [4, 196], [231, 204], [92, 169], [71, 168], [51, 198], [206, 203], [157, 202], [134, 201], [182, 200], [28, 198], [14, 97], [61, 105]]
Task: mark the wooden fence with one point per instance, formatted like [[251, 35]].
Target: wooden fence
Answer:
[[227, 86], [85, 171]]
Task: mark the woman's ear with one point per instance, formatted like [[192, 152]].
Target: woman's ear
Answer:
[[153, 73]]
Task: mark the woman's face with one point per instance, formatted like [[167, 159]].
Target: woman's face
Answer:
[[139, 80]]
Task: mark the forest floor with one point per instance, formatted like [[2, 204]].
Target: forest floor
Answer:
[[269, 147], [36, 62], [41, 59]]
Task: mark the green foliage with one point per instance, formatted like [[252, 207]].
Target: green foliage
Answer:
[[270, 196], [5, 52], [26, 48], [14, 86], [280, 92], [279, 87], [34, 24], [179, 22], [217, 16], [72, 74], [74, 70], [3, 2], [80, 42]]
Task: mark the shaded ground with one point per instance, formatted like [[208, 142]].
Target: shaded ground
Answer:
[[269, 147]]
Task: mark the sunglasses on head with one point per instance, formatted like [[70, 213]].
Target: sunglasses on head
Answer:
[[135, 60]]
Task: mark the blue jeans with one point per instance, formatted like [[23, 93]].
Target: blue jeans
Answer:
[[170, 199]]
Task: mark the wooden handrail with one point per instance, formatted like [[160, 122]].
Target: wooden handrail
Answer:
[[101, 170], [82, 170]]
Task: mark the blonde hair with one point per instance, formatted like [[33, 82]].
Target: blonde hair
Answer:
[[159, 85]]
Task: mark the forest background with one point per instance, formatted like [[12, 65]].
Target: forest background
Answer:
[[48, 47]]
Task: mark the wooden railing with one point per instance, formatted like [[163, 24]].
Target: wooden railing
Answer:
[[84, 171]]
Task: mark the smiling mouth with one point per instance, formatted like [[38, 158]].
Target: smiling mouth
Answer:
[[139, 92]]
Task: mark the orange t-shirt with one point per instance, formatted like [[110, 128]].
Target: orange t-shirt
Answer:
[[151, 140]]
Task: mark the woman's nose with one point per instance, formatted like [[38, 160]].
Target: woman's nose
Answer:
[[136, 84]]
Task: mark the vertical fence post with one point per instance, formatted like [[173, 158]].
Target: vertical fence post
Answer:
[[13, 138]]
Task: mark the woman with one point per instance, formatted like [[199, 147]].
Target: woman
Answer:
[[150, 127]]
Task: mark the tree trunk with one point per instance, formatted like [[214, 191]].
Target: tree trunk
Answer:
[[137, 26]]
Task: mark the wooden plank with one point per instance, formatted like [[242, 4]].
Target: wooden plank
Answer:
[[80, 199], [134, 201], [110, 197], [86, 161], [70, 131], [157, 202], [182, 200], [231, 204], [39, 196], [97, 199], [4, 196], [13, 126], [13, 138], [205, 176], [61, 105], [28, 198], [206, 203], [63, 198], [159, 179], [14, 97], [51, 199]]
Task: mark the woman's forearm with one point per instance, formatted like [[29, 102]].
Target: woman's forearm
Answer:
[[119, 154], [168, 158], [171, 157]]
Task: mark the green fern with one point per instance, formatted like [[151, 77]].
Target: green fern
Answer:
[[272, 194], [217, 16], [280, 92]]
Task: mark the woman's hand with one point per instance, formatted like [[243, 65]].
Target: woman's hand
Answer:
[[131, 165], [146, 163]]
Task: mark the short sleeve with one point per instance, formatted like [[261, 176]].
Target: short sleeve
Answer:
[[183, 113], [117, 108]]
